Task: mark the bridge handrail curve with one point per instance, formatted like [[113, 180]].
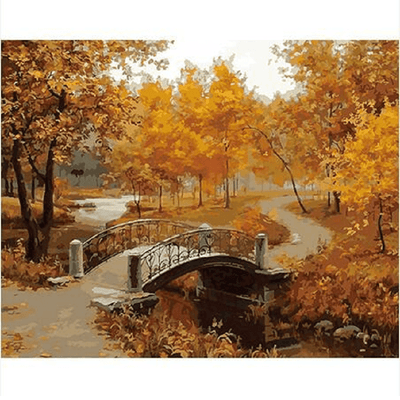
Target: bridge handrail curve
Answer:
[[135, 222], [160, 257], [127, 235]]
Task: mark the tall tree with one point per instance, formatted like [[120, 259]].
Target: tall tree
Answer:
[[224, 112], [368, 168]]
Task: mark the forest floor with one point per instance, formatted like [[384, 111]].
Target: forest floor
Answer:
[[59, 322]]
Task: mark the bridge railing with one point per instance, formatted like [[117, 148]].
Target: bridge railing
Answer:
[[195, 244], [125, 236]]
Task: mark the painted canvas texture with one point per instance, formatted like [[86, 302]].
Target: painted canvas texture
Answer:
[[242, 203]]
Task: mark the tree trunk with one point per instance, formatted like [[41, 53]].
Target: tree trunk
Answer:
[[234, 186], [336, 196], [5, 166], [200, 190], [33, 248], [227, 199], [6, 186], [160, 200], [329, 199], [380, 226], [12, 187], [295, 190], [137, 202], [33, 188]]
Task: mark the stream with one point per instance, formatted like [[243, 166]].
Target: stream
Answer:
[[104, 210]]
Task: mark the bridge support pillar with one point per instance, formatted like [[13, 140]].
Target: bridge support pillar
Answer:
[[261, 246], [76, 259], [204, 238], [135, 283]]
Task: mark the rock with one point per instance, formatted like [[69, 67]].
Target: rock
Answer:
[[363, 336], [107, 303], [296, 238], [109, 292], [375, 338], [324, 326], [347, 332], [60, 280], [373, 346], [144, 303], [89, 205]]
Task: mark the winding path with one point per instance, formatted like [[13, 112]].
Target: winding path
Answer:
[[58, 323], [306, 235]]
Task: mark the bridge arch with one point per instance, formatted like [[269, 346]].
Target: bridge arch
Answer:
[[193, 250], [215, 261]]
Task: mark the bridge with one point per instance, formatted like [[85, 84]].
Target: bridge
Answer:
[[160, 251]]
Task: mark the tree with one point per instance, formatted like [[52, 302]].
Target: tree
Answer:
[[195, 144], [368, 168], [274, 123], [335, 78], [55, 96], [224, 112]]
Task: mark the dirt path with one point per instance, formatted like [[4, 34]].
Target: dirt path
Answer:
[[307, 235], [59, 322]]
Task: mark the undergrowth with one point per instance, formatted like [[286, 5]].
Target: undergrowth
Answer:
[[16, 269], [157, 335]]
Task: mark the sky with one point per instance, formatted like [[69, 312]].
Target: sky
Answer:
[[253, 58]]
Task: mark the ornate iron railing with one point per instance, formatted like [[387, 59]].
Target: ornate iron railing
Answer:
[[195, 244], [128, 235]]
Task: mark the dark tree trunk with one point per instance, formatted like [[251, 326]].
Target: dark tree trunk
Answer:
[[137, 201], [33, 246], [380, 227], [12, 188], [200, 190], [336, 196], [160, 200], [329, 199], [227, 198], [5, 166], [6, 187], [33, 188], [295, 191]]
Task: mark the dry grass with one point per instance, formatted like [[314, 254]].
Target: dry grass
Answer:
[[158, 335], [11, 213]]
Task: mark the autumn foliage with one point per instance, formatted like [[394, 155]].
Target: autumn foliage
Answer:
[[158, 336]]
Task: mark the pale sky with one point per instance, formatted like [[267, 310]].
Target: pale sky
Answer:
[[251, 58]]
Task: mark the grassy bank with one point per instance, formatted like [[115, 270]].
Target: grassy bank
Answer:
[[350, 282]]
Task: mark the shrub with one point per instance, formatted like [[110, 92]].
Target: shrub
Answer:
[[16, 269], [159, 336]]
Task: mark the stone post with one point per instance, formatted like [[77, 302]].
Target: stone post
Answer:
[[204, 242], [135, 282], [261, 246], [76, 259]]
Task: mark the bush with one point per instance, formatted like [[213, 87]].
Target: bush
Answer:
[[16, 269], [158, 336], [252, 221]]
